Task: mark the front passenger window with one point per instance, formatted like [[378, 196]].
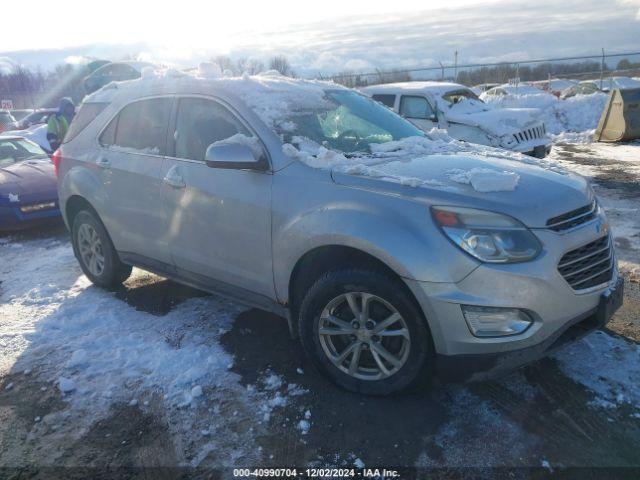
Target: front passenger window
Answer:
[[416, 107], [200, 123]]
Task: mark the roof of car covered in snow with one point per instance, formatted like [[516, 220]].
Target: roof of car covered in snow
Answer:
[[177, 81], [270, 96], [438, 88]]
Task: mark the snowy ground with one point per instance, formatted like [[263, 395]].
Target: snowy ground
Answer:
[[156, 374]]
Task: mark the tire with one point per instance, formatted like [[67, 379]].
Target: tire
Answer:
[[87, 232], [330, 300]]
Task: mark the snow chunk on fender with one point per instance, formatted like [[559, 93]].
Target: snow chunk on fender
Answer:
[[485, 179], [66, 385]]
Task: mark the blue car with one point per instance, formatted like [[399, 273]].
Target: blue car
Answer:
[[28, 189]]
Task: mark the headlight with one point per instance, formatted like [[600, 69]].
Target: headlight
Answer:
[[488, 236], [508, 141]]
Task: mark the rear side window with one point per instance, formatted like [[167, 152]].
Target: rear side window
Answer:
[[140, 127], [85, 115], [385, 99], [200, 123], [415, 107]]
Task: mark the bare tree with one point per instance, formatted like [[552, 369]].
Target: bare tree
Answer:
[[250, 66], [225, 63], [282, 65]]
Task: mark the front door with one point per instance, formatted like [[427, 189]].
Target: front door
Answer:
[[219, 220]]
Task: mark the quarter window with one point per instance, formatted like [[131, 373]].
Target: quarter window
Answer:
[[201, 122], [140, 127], [415, 107], [86, 114], [385, 99]]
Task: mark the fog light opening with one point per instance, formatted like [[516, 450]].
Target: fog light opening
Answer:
[[495, 321]]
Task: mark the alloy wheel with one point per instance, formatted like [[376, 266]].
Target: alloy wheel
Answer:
[[364, 336], [90, 247]]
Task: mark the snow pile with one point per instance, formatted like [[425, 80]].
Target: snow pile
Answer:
[[575, 114], [276, 394], [100, 352], [486, 179], [607, 365], [209, 70]]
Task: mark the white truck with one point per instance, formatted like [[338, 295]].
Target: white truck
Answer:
[[458, 110]]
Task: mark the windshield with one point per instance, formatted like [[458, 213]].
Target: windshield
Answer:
[[5, 117], [349, 122], [12, 151], [463, 101], [457, 96]]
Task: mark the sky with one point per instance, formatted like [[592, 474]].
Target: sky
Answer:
[[320, 37]]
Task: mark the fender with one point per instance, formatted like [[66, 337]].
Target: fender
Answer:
[[384, 226], [78, 180]]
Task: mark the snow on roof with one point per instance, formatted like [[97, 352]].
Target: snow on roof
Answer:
[[521, 89], [432, 87], [270, 95]]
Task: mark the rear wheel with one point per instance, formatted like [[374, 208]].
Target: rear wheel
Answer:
[[362, 330], [95, 253]]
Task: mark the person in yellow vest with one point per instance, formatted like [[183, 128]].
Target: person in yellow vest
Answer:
[[58, 123]]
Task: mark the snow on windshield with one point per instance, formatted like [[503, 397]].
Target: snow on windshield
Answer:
[[331, 116]]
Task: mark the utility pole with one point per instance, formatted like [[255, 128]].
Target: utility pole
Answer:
[[602, 65], [442, 68], [455, 65]]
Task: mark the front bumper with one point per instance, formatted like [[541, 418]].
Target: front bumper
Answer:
[[540, 151], [12, 218], [535, 287], [476, 367]]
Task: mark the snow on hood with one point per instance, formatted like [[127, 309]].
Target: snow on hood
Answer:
[[486, 179], [575, 114], [435, 161], [499, 121]]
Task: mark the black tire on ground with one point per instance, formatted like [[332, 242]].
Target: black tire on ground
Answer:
[[417, 370], [114, 272]]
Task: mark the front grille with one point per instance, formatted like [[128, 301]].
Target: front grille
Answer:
[[530, 134], [573, 218], [589, 265]]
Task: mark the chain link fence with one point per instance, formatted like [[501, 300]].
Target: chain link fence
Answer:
[[586, 67]]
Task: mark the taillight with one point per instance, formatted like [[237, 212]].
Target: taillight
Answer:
[[56, 158]]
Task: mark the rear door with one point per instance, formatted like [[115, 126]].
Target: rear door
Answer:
[[219, 219], [133, 146]]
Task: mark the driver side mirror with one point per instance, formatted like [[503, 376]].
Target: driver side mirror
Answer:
[[235, 156]]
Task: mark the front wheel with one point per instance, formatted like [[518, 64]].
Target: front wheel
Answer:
[[363, 331], [95, 252]]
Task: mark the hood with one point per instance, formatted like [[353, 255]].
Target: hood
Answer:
[[536, 195], [502, 121], [30, 179]]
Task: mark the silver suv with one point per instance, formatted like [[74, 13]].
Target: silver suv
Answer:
[[393, 254]]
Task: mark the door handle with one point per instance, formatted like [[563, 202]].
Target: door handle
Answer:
[[103, 163], [174, 179]]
